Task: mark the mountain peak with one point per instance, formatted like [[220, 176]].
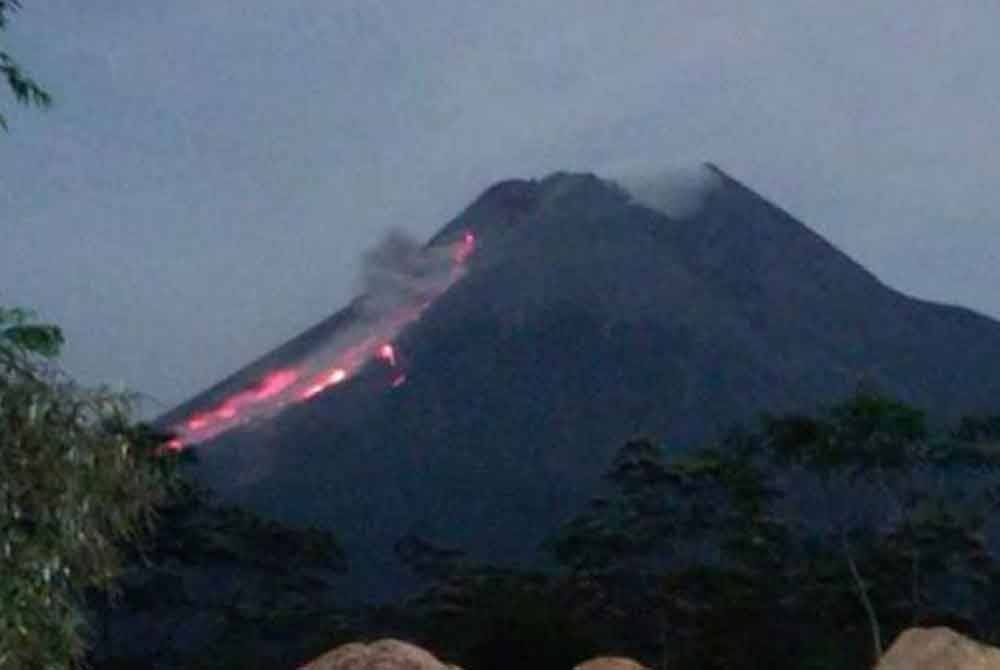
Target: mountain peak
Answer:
[[583, 317]]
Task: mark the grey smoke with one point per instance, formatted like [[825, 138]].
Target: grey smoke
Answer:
[[678, 192], [398, 277], [399, 272]]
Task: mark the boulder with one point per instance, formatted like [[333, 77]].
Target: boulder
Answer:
[[938, 649], [380, 655], [610, 663]]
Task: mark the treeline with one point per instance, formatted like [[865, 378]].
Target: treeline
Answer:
[[219, 587], [809, 542], [805, 542]]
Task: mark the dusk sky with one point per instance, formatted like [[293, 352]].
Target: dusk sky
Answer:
[[212, 169]]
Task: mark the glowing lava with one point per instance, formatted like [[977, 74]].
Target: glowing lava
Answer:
[[324, 369], [461, 251], [275, 383], [215, 421], [332, 378], [387, 353]]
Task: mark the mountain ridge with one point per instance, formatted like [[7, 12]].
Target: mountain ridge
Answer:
[[583, 318]]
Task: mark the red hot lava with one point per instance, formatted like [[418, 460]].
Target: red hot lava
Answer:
[[462, 250], [332, 378], [280, 387], [387, 353]]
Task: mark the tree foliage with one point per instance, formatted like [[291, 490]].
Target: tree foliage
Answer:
[[804, 543], [77, 480], [227, 589], [25, 89], [844, 528], [489, 617]]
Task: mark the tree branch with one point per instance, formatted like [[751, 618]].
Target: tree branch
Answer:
[[864, 597]]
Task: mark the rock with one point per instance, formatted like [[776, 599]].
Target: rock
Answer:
[[380, 655], [938, 649], [610, 663]]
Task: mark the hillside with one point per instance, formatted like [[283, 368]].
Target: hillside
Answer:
[[584, 317]]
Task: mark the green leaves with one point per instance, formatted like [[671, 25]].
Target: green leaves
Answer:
[[7, 7], [25, 89], [43, 340], [21, 337], [77, 480], [867, 430]]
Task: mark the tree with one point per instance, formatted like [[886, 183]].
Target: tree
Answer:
[[916, 501], [844, 527], [227, 589], [78, 479], [489, 616], [25, 89]]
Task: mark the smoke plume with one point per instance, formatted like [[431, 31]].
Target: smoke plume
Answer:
[[400, 272], [678, 192], [399, 279]]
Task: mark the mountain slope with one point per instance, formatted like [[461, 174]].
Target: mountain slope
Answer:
[[586, 317]]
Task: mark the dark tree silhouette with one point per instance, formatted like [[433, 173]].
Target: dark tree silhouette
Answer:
[[25, 89], [846, 528]]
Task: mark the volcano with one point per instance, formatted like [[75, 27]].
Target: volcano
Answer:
[[575, 314]]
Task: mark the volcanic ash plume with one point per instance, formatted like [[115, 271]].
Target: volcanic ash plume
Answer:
[[400, 278]]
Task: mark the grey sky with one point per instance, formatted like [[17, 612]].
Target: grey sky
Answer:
[[212, 170]]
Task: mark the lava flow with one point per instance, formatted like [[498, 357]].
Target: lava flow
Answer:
[[330, 366]]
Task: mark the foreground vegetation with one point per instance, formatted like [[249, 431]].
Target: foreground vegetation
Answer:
[[24, 89], [808, 542], [78, 480]]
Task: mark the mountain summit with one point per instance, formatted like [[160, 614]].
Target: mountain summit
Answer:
[[584, 315]]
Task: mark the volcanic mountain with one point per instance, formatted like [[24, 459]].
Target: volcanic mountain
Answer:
[[585, 315]]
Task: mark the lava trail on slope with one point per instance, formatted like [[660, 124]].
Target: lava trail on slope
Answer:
[[402, 281]]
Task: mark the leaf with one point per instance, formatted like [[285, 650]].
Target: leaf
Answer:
[[44, 340]]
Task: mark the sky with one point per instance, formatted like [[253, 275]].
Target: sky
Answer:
[[211, 172]]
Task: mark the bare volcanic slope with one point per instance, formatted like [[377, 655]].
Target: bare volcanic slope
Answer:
[[583, 318]]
